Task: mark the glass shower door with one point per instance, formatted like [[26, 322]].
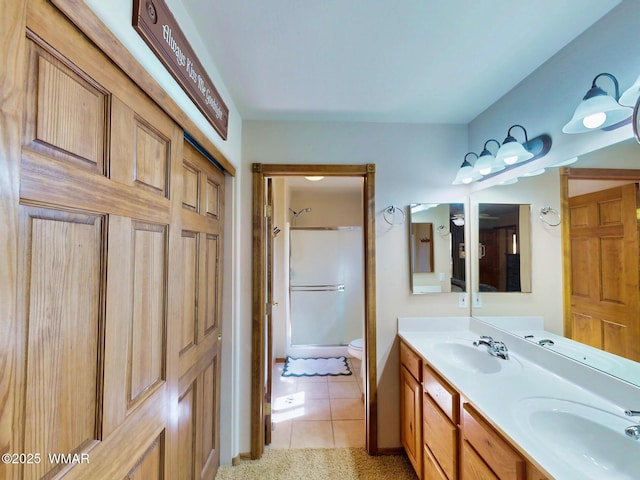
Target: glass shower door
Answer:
[[326, 286]]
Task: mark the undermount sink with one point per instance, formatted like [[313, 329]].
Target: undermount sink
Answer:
[[589, 440], [473, 359]]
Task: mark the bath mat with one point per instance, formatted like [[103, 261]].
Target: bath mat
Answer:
[[315, 367]]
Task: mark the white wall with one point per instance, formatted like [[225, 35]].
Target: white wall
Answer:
[[414, 164]]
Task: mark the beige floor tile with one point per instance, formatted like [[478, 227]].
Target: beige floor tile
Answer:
[[280, 388], [312, 379], [312, 434], [281, 435], [347, 409], [319, 409], [342, 378], [314, 390], [344, 390], [348, 433], [288, 407]]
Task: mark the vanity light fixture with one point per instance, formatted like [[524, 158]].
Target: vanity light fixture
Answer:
[[486, 162], [466, 174], [314, 178], [631, 94], [511, 151], [598, 109]]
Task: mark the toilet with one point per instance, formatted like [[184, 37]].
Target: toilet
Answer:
[[356, 349]]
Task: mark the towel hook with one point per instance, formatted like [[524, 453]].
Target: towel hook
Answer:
[[544, 211], [391, 211]]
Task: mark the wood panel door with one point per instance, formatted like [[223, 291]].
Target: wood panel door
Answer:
[[202, 209], [605, 299], [101, 384]]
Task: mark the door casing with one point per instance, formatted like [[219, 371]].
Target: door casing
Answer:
[[258, 306]]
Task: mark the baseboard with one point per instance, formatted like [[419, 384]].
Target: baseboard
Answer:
[[235, 461]]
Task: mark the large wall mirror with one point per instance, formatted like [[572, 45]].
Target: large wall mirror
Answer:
[[599, 248], [437, 248], [504, 248]]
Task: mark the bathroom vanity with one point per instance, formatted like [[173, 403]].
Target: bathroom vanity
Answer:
[[467, 414]]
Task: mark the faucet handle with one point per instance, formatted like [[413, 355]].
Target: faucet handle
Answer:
[[486, 337], [632, 413]]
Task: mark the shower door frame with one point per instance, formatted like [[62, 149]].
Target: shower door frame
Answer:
[[261, 171]]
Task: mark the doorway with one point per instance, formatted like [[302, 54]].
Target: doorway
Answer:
[[600, 267], [261, 306]]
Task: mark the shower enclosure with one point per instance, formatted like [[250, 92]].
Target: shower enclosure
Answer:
[[326, 290]]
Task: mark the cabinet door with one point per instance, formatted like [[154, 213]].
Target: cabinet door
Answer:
[[493, 449], [432, 470], [411, 418], [440, 435], [473, 467]]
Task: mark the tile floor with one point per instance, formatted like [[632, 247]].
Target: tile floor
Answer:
[[318, 412]]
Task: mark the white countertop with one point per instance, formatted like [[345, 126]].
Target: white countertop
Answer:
[[532, 376]]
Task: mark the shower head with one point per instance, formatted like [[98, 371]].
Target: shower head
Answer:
[[299, 212]]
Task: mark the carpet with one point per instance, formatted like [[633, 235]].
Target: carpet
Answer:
[[312, 367], [320, 464]]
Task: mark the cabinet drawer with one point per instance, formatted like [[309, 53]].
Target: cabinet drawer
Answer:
[[473, 468], [432, 470], [442, 393], [496, 452], [411, 360], [441, 436]]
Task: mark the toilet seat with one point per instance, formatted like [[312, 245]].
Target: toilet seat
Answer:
[[357, 344]]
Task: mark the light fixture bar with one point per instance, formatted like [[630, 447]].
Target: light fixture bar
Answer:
[[539, 146]]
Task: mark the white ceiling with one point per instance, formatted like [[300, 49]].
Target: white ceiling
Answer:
[[425, 61]]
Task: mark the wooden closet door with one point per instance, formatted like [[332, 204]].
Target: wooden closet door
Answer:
[[202, 207], [98, 304]]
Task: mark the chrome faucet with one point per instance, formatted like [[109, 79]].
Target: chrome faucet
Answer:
[[633, 431], [632, 413], [497, 349]]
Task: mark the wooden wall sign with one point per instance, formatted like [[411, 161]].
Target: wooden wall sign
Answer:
[[154, 22]]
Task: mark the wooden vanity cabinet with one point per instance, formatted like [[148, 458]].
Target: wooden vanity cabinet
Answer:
[[445, 437], [481, 443], [440, 415], [411, 405]]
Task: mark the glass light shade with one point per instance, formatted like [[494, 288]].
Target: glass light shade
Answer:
[[314, 178], [484, 164], [466, 174], [599, 111], [513, 152], [630, 96], [458, 221]]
